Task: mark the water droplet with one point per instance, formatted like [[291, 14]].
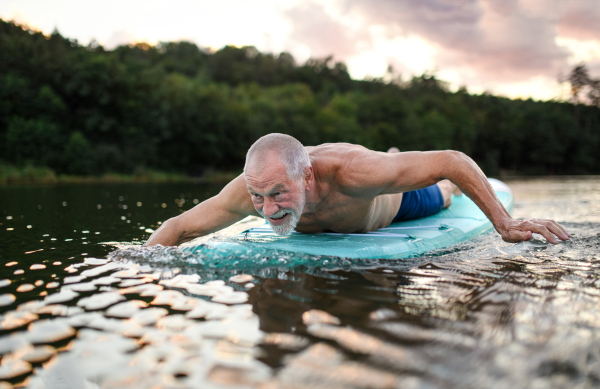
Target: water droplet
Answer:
[[241, 278], [56, 263], [139, 204], [95, 261], [99, 206], [126, 309], [13, 263], [37, 267], [54, 310], [14, 369], [100, 301], [61, 297], [52, 285], [177, 323], [315, 316], [10, 229], [64, 203], [231, 298], [286, 341], [145, 290], [16, 319], [29, 226], [108, 280], [149, 316], [31, 306], [82, 287], [25, 288], [128, 283], [39, 283], [73, 279], [36, 354], [46, 331], [19, 271], [4, 283]]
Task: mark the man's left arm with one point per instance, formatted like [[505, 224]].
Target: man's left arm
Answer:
[[406, 171]]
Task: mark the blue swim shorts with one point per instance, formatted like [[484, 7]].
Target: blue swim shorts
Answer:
[[420, 203]]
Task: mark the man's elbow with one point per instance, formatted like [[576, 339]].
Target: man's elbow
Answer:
[[168, 234], [453, 161], [454, 157]]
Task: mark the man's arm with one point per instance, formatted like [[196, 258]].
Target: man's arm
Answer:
[[403, 172], [232, 204]]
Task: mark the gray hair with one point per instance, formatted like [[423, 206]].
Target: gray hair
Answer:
[[293, 155]]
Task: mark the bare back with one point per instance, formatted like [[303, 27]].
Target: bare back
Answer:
[[339, 206]]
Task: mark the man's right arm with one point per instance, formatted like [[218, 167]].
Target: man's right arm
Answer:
[[232, 204]]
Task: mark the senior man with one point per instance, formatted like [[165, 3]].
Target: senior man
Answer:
[[345, 188]]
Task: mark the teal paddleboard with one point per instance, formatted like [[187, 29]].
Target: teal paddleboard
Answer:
[[462, 221]]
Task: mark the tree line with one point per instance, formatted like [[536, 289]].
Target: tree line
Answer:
[[175, 107]]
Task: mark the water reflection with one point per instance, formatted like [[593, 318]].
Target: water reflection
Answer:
[[483, 314]]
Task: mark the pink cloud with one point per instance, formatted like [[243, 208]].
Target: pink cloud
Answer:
[[489, 40], [581, 20]]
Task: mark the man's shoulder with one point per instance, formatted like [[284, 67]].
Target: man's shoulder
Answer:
[[336, 153], [336, 162]]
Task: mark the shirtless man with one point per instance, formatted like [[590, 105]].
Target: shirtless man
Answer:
[[345, 188]]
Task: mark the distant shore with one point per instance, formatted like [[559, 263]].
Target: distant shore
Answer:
[[35, 175]]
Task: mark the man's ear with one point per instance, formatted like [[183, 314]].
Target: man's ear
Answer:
[[308, 178]]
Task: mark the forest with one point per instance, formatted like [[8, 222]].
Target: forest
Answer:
[[174, 107]]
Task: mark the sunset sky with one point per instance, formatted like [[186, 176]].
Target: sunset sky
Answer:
[[515, 48]]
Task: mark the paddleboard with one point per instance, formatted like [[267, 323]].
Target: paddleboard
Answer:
[[460, 222]]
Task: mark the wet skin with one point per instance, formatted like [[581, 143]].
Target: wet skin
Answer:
[[347, 189]]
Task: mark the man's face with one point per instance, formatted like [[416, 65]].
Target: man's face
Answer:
[[279, 199]]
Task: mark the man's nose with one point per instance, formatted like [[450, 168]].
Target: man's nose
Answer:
[[269, 207]]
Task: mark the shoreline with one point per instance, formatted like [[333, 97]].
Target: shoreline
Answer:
[[33, 175]]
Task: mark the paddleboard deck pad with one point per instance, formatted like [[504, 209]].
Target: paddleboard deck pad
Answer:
[[462, 221]]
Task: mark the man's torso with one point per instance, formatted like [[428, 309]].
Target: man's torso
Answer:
[[337, 208]]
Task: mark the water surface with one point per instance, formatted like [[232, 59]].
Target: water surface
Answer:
[[76, 313]]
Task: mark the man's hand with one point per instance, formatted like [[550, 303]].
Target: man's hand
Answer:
[[519, 230]]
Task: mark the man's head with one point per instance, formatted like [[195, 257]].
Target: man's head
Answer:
[[277, 174]]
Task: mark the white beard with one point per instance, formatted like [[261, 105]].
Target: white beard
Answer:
[[295, 215]]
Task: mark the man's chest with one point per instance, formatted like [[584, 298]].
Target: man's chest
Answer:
[[338, 213]]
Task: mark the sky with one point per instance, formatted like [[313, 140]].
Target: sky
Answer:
[[513, 48]]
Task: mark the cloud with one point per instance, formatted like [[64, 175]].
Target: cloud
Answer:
[[323, 35], [497, 39], [480, 43], [580, 20]]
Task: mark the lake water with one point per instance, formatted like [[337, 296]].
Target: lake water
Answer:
[[83, 308]]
